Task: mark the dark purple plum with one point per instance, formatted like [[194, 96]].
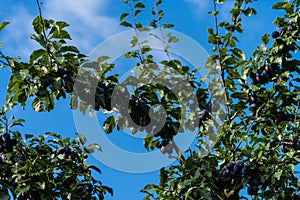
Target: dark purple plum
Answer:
[[275, 34], [252, 189]]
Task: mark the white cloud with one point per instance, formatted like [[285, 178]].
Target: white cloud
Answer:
[[89, 24], [199, 6], [16, 35]]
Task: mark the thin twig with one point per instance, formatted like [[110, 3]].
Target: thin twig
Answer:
[[295, 117], [179, 153], [6, 58], [219, 59], [44, 33], [141, 56], [161, 29]]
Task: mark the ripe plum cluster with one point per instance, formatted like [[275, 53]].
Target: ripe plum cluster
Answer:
[[238, 170], [165, 146]]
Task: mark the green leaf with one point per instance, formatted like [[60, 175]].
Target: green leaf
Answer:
[[62, 34], [95, 168], [37, 54], [278, 174], [123, 16], [163, 177], [102, 59], [173, 39], [109, 124], [18, 122], [38, 105], [59, 59], [69, 49], [266, 38], [249, 11], [21, 189], [125, 24], [145, 49], [3, 24], [4, 195], [91, 148], [239, 53], [134, 41], [37, 24], [149, 143], [212, 39], [108, 189], [139, 5], [39, 38], [23, 73], [82, 138], [168, 26], [138, 25], [213, 13], [137, 12], [279, 5], [210, 30], [40, 185]]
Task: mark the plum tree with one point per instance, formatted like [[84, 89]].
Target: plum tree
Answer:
[[32, 168], [261, 110]]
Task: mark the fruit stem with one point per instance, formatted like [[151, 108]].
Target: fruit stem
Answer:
[[179, 153]]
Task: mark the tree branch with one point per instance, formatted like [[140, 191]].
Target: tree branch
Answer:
[[44, 33], [219, 60]]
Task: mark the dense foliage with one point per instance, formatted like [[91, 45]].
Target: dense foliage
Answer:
[[255, 152]]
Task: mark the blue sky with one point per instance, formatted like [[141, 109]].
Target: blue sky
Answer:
[[93, 21]]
